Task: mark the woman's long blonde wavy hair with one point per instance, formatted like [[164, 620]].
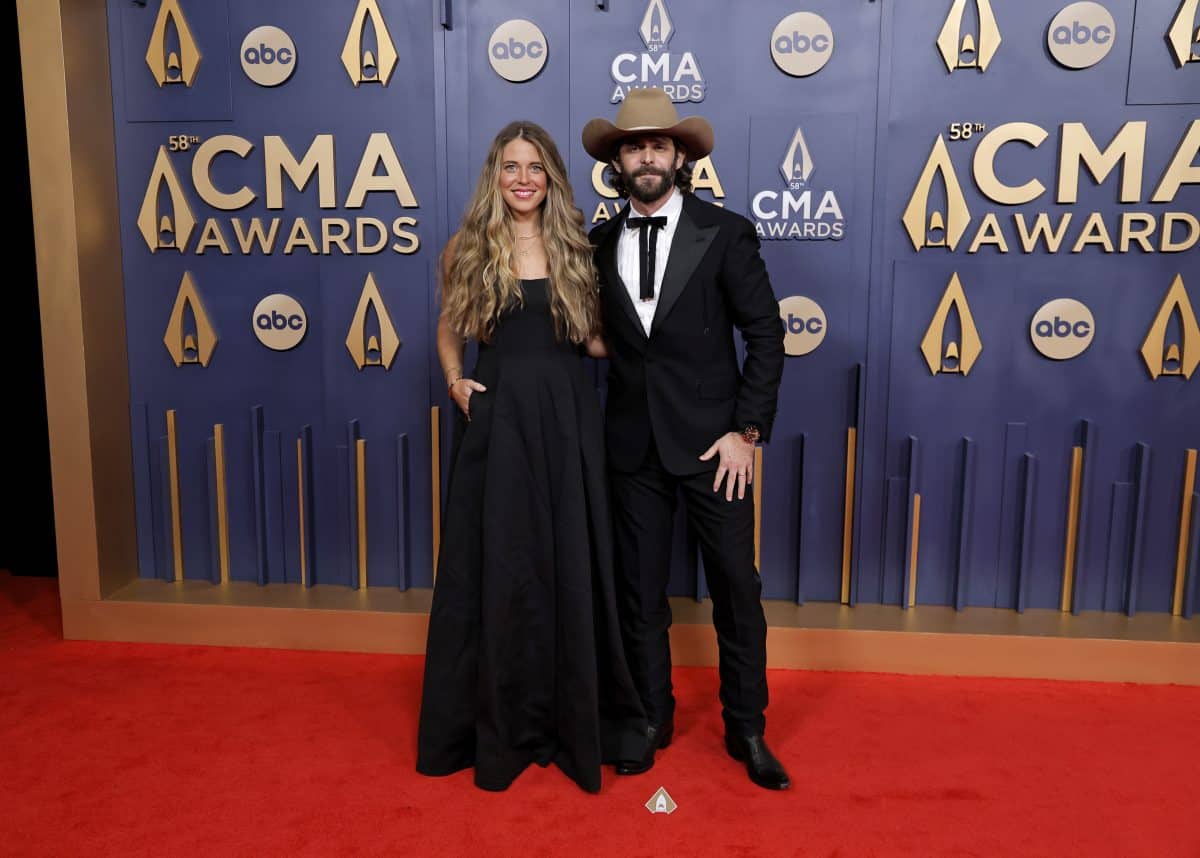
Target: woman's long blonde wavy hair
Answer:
[[480, 281]]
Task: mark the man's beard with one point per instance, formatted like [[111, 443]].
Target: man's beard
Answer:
[[648, 193]]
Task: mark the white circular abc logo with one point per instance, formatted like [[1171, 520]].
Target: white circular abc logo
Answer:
[[1062, 329], [517, 50], [268, 56], [279, 322], [802, 44], [1081, 35], [803, 323]]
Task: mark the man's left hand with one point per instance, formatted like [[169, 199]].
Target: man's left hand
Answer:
[[736, 463]]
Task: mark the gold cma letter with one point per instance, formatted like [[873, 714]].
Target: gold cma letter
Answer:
[[183, 345], [1175, 358], [364, 66], [963, 355], [917, 219], [172, 67], [959, 51], [1184, 35], [374, 351], [172, 231]]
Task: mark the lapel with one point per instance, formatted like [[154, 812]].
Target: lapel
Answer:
[[687, 248], [607, 254]]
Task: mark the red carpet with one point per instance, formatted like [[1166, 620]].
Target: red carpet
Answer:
[[121, 749]]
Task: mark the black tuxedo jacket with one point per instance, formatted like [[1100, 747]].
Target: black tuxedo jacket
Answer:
[[682, 383]]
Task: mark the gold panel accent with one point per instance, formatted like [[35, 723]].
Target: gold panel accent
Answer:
[[176, 517], [1184, 35], [173, 68], [1163, 358], [958, 357], [919, 222], [1185, 520], [170, 232], [360, 463], [757, 494], [363, 66], [916, 542], [1068, 584], [372, 352], [222, 501], [181, 345], [300, 505], [435, 428], [848, 513], [954, 45]]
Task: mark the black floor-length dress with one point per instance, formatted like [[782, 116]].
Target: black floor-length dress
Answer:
[[524, 662]]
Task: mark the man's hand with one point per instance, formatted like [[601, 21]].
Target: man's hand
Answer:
[[737, 463]]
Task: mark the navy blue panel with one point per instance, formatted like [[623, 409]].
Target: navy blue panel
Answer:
[[1117, 562], [144, 100], [1155, 75], [1008, 546], [403, 512]]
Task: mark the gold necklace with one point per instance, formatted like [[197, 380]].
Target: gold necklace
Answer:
[[525, 251]]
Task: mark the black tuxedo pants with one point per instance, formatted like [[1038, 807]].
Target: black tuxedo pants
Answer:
[[643, 511]]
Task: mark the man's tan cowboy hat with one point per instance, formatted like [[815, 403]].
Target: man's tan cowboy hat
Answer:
[[648, 111]]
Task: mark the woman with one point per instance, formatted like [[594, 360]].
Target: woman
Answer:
[[524, 660]]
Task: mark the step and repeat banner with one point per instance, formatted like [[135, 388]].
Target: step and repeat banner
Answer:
[[981, 217]]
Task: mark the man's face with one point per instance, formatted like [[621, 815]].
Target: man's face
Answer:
[[647, 165]]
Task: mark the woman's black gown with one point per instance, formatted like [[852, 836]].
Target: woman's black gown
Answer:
[[524, 660]]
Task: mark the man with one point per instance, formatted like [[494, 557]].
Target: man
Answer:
[[677, 276]]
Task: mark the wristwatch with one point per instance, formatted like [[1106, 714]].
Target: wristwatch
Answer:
[[751, 433]]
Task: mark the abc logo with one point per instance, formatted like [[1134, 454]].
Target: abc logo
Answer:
[[1062, 329], [268, 56], [279, 322], [804, 325], [1081, 35], [517, 50], [802, 44]]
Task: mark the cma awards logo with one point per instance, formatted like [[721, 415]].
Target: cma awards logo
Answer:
[[166, 220], [1184, 35], [1172, 345], [369, 55], [794, 213], [372, 340], [173, 56], [678, 75], [938, 216], [964, 46], [190, 336], [951, 344]]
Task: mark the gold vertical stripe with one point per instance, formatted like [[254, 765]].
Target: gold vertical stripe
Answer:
[[758, 460], [916, 543], [300, 504], [848, 516], [222, 501], [360, 456], [436, 465], [1068, 584], [1185, 520], [176, 519]]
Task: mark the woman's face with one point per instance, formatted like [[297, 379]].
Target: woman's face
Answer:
[[522, 177]]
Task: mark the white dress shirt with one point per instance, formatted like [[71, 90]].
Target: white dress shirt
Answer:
[[629, 262]]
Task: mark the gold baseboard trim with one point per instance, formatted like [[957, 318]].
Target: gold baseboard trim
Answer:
[[935, 640]]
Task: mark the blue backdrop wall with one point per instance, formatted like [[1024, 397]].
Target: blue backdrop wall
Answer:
[[926, 176]]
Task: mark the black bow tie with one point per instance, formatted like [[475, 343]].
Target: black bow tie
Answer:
[[647, 228]]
